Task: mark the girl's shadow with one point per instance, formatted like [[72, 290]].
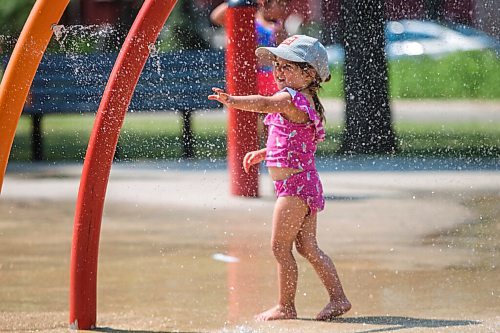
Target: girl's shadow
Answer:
[[395, 323], [115, 330], [400, 323]]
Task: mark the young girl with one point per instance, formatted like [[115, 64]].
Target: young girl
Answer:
[[294, 119]]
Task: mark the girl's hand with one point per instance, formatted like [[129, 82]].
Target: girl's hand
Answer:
[[220, 96], [253, 157]]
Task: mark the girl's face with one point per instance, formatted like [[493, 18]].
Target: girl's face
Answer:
[[288, 74]]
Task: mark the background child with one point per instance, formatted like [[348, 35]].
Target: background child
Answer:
[[295, 126], [270, 31]]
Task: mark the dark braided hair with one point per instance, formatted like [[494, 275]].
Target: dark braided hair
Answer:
[[314, 88]]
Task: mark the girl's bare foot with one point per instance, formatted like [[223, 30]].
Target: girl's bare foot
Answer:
[[277, 313], [334, 309]]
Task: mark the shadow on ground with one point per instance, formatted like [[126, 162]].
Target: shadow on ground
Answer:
[[114, 330], [400, 323]]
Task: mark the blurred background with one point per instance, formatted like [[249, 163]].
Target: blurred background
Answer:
[[444, 51], [450, 19]]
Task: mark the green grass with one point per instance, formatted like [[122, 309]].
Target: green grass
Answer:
[[150, 136], [473, 75], [450, 140]]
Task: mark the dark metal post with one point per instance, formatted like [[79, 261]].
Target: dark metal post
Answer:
[[187, 135], [36, 137]]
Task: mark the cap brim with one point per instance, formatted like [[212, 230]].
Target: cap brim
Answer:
[[267, 54]]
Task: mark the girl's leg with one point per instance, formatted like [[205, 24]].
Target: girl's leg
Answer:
[[288, 217], [307, 246]]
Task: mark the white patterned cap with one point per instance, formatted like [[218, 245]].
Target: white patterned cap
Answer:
[[299, 48]]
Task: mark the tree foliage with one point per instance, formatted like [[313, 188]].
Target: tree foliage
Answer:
[[13, 15]]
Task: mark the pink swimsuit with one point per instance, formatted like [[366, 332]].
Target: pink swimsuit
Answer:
[[292, 145]]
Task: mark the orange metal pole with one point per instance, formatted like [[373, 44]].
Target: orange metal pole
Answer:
[[99, 157], [21, 70]]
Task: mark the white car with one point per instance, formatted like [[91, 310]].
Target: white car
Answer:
[[414, 38]]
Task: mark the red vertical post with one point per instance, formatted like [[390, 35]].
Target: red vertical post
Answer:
[[98, 160], [241, 79]]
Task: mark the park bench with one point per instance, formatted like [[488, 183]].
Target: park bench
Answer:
[[175, 81]]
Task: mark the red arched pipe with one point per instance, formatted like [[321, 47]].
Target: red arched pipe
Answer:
[[99, 157]]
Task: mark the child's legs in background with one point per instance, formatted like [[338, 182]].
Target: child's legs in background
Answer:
[[307, 246]]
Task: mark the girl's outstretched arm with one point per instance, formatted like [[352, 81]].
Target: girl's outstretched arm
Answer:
[[280, 102]]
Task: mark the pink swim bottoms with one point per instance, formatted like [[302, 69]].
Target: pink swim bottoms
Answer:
[[305, 185]]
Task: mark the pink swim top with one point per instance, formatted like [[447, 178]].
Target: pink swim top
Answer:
[[292, 145]]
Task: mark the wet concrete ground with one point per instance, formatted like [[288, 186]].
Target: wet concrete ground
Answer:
[[416, 251]]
